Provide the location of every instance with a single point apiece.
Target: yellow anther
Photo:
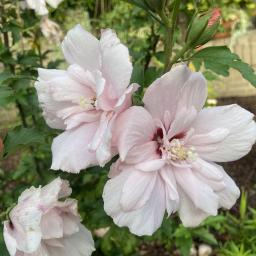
(87, 103)
(176, 151)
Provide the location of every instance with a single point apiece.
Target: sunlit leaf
(220, 59)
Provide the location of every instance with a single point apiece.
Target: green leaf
(3, 249)
(214, 221)
(220, 59)
(29, 60)
(151, 75)
(118, 238)
(6, 56)
(20, 137)
(210, 76)
(138, 74)
(154, 5)
(5, 94)
(7, 78)
(243, 204)
(160, 56)
(54, 64)
(205, 236)
(14, 28)
(139, 3)
(4, 76)
(183, 240)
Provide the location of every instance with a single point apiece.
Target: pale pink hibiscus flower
(85, 99)
(167, 153)
(40, 224)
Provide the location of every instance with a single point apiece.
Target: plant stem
(178, 56)
(153, 40)
(167, 48)
(195, 5)
(170, 29)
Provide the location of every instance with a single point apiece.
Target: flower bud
(215, 17)
(203, 27)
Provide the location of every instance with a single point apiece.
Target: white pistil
(177, 152)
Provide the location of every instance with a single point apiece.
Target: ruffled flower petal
(178, 88)
(82, 48)
(70, 149)
(116, 64)
(133, 127)
(142, 221)
(41, 225)
(233, 141)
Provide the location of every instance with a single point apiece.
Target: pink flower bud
(216, 14)
(203, 27)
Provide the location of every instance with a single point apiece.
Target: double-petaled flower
(168, 151)
(43, 224)
(86, 99)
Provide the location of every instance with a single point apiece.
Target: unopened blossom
(168, 152)
(43, 223)
(50, 30)
(85, 99)
(39, 6)
(215, 16)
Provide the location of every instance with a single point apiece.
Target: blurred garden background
(29, 41)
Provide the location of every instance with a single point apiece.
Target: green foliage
(155, 5)
(220, 59)
(183, 240)
(205, 236)
(5, 95)
(27, 140)
(3, 249)
(235, 250)
(20, 137)
(117, 240)
(239, 231)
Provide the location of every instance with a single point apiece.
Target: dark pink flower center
(174, 148)
(158, 137)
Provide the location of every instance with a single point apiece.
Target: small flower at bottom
(41, 224)
(167, 152)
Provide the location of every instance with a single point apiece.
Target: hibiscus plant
(114, 108)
